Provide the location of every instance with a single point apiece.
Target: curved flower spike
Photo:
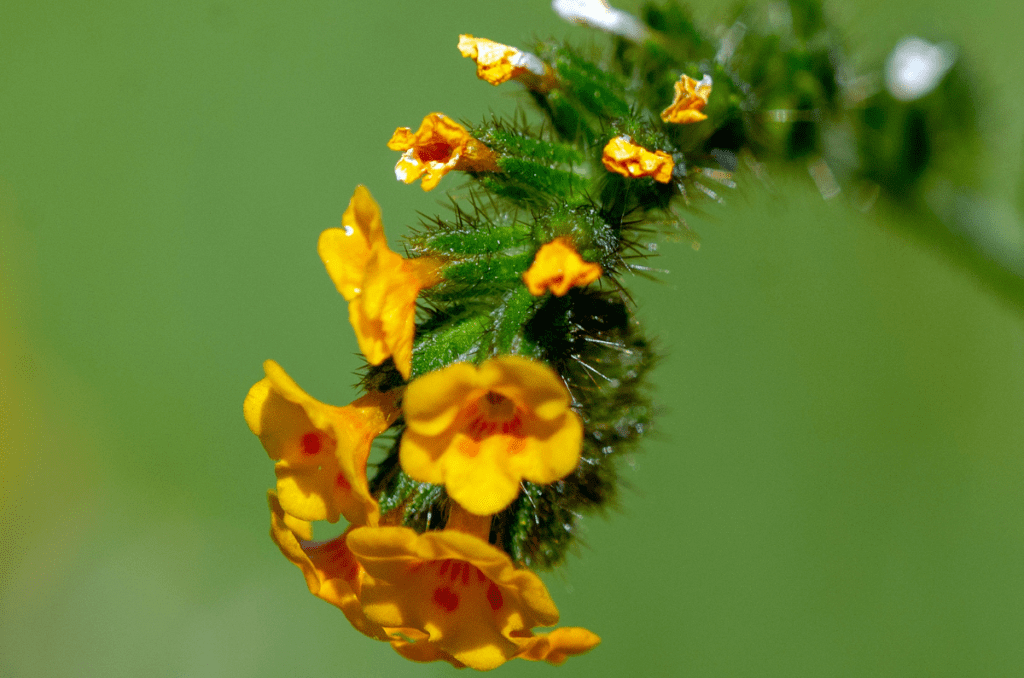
(380, 286)
(624, 157)
(320, 450)
(331, 571)
(439, 146)
(463, 593)
(497, 63)
(482, 430)
(691, 98)
(559, 268)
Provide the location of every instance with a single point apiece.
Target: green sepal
(462, 241)
(516, 308)
(518, 143)
(529, 182)
(447, 344)
(568, 120)
(489, 270)
(597, 91)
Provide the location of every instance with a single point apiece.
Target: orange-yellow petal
(346, 250)
(497, 63)
(690, 100)
(624, 157)
(439, 146)
(463, 593)
(558, 645)
(321, 450)
(481, 430)
(332, 573)
(558, 268)
(384, 314)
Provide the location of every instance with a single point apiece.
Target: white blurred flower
(598, 14)
(916, 66)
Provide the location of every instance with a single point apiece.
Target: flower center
(434, 151)
(497, 407)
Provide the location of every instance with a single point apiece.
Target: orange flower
(691, 98)
(380, 286)
(438, 147)
(558, 267)
(482, 430)
(497, 63)
(462, 593)
(332, 573)
(624, 157)
(320, 450)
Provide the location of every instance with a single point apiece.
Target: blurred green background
(837, 484)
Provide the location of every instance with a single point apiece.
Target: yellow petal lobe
(346, 250)
(691, 96)
(624, 157)
(558, 268)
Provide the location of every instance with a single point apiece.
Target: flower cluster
(505, 368)
(503, 364)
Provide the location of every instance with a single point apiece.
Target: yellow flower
(320, 450)
(463, 593)
(438, 147)
(497, 63)
(558, 267)
(332, 573)
(691, 97)
(380, 286)
(624, 157)
(482, 430)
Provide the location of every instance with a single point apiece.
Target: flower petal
(346, 250)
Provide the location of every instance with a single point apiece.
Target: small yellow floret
(559, 268)
(439, 146)
(497, 63)
(624, 157)
(691, 98)
(480, 431)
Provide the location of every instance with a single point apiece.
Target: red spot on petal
(456, 568)
(494, 597)
(447, 599)
(311, 443)
(480, 576)
(445, 564)
(437, 151)
(342, 482)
